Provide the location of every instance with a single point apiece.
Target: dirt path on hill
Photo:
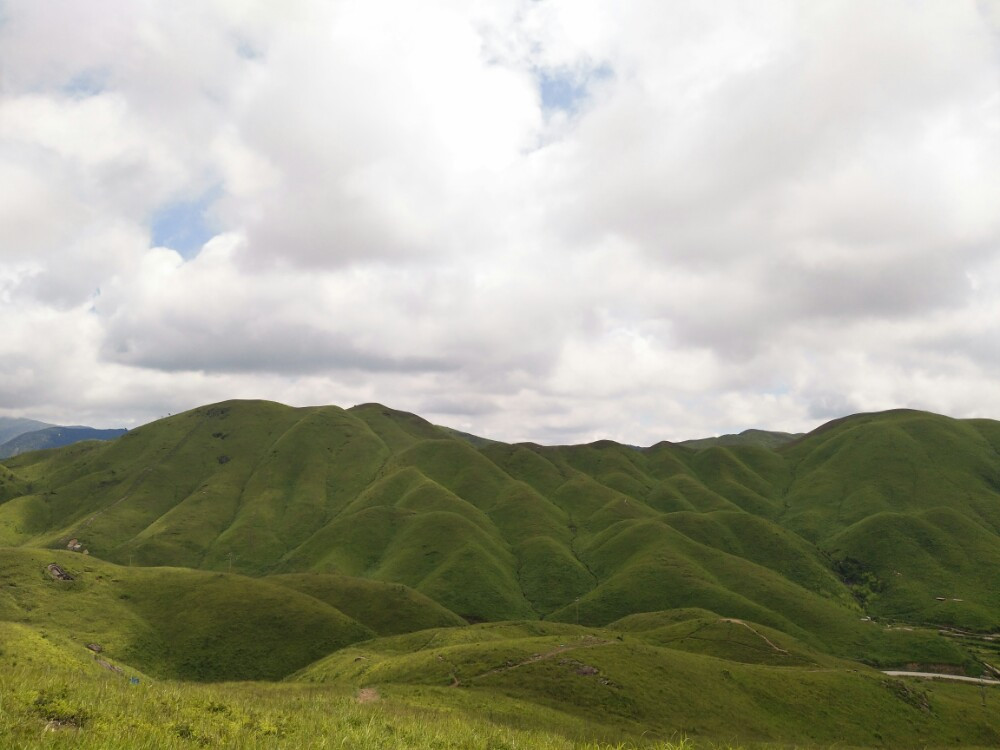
(586, 642)
(759, 635)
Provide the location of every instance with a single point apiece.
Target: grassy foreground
(54, 693)
(50, 697)
(60, 709)
(55, 712)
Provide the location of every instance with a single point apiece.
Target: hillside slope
(169, 622)
(733, 679)
(871, 515)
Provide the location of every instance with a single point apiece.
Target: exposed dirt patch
(58, 573)
(916, 698)
(61, 726)
(368, 695)
(109, 666)
(579, 667)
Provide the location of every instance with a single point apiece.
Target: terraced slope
(895, 515)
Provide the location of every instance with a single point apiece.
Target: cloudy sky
(549, 220)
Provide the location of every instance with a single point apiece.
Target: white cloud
(750, 215)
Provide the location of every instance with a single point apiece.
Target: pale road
(936, 676)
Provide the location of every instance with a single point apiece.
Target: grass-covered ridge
(523, 531)
(514, 531)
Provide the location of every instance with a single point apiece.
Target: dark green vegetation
(53, 437)
(740, 590)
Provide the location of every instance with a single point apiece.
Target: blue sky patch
(86, 83)
(564, 90)
(184, 226)
(248, 51)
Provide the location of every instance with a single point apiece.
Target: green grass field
(728, 591)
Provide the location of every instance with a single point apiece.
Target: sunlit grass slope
(172, 622)
(913, 498)
(53, 695)
(497, 685)
(732, 680)
(386, 608)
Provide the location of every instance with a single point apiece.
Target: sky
(545, 220)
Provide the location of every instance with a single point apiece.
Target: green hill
(385, 608)
(171, 622)
(654, 682)
(508, 532)
(247, 540)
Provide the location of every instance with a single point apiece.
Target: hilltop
(761, 438)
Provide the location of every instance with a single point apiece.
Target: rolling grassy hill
(907, 501)
(172, 622)
(250, 540)
(664, 679)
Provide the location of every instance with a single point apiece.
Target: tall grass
(55, 708)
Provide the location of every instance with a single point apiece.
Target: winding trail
(756, 633)
(587, 642)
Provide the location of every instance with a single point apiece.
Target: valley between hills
(248, 574)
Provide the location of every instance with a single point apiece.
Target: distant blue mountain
(11, 427)
(53, 437)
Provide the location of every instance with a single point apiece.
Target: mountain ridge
(54, 436)
(508, 531)
(11, 427)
